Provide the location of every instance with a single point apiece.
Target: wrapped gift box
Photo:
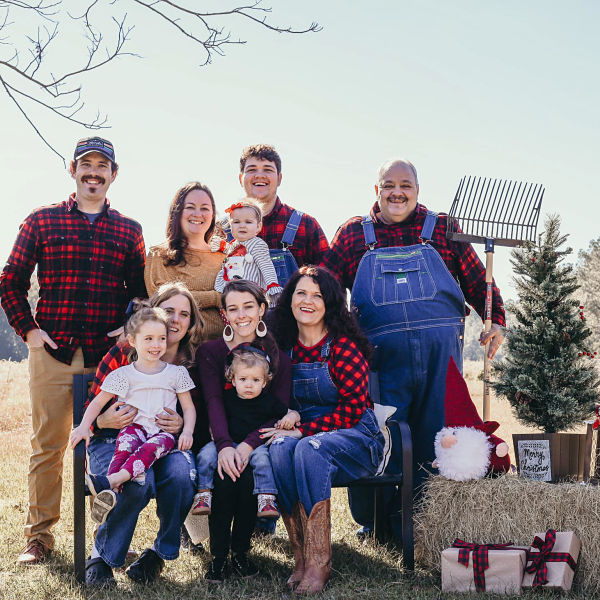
(558, 560)
(503, 574)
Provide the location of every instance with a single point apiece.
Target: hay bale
(509, 509)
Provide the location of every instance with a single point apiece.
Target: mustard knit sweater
(198, 273)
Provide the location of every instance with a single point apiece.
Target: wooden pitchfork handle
(489, 292)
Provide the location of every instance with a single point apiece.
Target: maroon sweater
(210, 362)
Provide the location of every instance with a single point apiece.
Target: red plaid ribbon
(545, 555)
(597, 421)
(480, 558)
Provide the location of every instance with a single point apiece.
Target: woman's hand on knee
(272, 433)
(242, 455)
(227, 463)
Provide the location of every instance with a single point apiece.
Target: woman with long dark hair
(338, 439)
(244, 304)
(190, 254)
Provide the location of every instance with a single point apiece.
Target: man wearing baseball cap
(90, 263)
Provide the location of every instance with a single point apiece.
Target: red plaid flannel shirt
(117, 356)
(348, 247)
(310, 244)
(87, 275)
(350, 373)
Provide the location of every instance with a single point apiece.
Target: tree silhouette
(31, 77)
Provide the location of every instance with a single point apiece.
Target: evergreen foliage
(588, 277)
(547, 374)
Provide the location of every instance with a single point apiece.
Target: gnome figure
(467, 447)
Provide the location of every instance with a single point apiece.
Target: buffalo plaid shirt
(117, 356)
(349, 372)
(310, 244)
(348, 247)
(87, 274)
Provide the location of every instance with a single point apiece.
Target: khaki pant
(51, 391)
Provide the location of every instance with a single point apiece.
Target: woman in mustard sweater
(188, 255)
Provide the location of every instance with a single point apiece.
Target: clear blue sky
(502, 89)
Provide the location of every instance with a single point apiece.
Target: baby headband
(249, 348)
(234, 206)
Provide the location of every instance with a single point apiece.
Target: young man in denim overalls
(294, 238)
(409, 285)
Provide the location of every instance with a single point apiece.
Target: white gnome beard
(468, 459)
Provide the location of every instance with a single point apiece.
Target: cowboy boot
(294, 524)
(317, 549)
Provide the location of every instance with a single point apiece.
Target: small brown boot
(294, 525)
(317, 549)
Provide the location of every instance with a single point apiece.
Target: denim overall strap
(428, 226)
(313, 392)
(291, 229)
(283, 260)
(368, 231)
(226, 226)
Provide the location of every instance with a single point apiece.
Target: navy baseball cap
(94, 144)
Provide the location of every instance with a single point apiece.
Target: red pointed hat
(460, 410)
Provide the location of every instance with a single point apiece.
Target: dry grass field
(361, 570)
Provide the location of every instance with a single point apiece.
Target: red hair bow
(233, 207)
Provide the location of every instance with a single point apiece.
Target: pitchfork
(493, 211)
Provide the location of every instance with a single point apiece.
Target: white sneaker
(267, 507)
(202, 503)
(103, 503)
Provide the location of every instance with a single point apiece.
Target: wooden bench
(404, 481)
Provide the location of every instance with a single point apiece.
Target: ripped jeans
(171, 480)
(306, 468)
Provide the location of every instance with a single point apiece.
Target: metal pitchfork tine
(493, 212)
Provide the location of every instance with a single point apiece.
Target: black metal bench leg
(379, 516)
(79, 511)
(408, 543)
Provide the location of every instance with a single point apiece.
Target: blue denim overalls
(283, 260)
(413, 310)
(306, 468)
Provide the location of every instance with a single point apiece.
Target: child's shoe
(267, 507)
(103, 503)
(217, 570)
(202, 502)
(242, 566)
(96, 483)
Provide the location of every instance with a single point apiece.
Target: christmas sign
(534, 459)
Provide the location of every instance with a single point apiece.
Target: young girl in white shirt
(150, 385)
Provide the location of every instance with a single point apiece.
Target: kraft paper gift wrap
(502, 576)
(555, 569)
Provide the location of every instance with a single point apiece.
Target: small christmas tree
(547, 374)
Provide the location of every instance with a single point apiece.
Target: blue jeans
(170, 479)
(412, 369)
(264, 482)
(305, 469)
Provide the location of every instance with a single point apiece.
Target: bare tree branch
(24, 113)
(37, 81)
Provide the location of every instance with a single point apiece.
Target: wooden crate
(570, 453)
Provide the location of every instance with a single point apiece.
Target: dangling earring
(228, 333)
(261, 329)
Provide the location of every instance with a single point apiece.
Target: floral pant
(136, 451)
